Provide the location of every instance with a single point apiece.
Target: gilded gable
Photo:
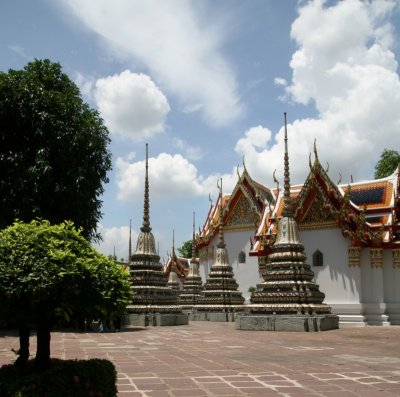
(318, 215)
(242, 216)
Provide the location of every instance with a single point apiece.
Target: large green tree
(389, 161)
(50, 273)
(53, 149)
(186, 249)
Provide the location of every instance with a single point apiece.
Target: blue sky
(206, 83)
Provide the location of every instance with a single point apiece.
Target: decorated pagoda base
(286, 322)
(213, 313)
(156, 319)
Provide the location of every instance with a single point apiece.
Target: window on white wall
(242, 257)
(317, 258)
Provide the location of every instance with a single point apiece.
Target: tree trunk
(23, 352)
(42, 359)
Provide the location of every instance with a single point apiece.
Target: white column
(373, 302)
(391, 278)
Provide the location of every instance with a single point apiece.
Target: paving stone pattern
(214, 359)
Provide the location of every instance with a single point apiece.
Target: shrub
(64, 378)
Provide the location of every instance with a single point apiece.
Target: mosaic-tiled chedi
(173, 280)
(153, 302)
(288, 288)
(191, 294)
(220, 294)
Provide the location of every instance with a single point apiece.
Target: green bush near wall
(64, 378)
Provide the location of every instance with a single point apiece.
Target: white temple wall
(358, 294)
(246, 274)
(339, 282)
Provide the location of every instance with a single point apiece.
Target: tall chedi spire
(220, 298)
(288, 299)
(193, 285)
(153, 302)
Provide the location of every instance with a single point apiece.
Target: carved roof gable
(242, 216)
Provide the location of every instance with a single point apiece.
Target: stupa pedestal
(192, 288)
(281, 322)
(220, 299)
(153, 302)
(288, 299)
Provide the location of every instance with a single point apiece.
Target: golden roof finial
(221, 243)
(244, 164)
(287, 205)
(209, 198)
(315, 151)
(351, 178)
(276, 180)
(340, 179)
(173, 245)
(327, 167)
(237, 171)
(309, 162)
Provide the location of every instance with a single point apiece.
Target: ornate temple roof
(367, 212)
(179, 264)
(242, 209)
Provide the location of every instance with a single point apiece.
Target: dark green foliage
(389, 161)
(186, 249)
(50, 273)
(53, 149)
(64, 378)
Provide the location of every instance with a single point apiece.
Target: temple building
(241, 215)
(350, 233)
(153, 302)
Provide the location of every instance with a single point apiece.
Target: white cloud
(170, 176)
(176, 43)
(18, 50)
(85, 84)
(118, 238)
(343, 65)
(132, 105)
(279, 81)
(191, 152)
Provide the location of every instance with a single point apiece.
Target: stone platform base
(212, 316)
(156, 319)
(272, 322)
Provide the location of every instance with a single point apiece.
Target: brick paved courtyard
(213, 359)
